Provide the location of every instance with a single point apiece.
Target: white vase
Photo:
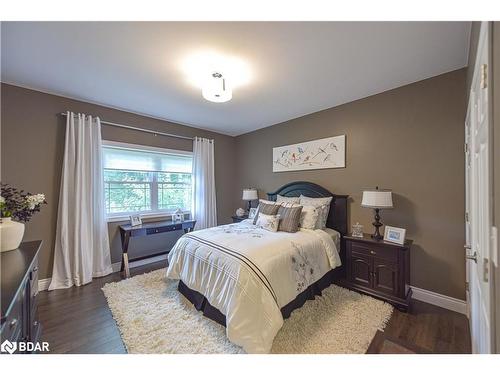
(11, 234)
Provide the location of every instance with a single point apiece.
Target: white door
(479, 202)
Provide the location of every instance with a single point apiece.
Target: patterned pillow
(268, 222)
(282, 199)
(324, 207)
(289, 218)
(309, 217)
(266, 208)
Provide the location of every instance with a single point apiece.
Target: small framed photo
(393, 234)
(252, 212)
(135, 220)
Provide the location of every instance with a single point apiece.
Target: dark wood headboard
(337, 217)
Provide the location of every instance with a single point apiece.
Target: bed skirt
(201, 303)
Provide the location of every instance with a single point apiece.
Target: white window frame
(115, 217)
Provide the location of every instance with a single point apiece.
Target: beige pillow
(323, 204)
(289, 218)
(268, 222)
(267, 208)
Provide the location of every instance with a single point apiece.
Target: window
(140, 179)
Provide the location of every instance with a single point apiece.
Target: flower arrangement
(18, 204)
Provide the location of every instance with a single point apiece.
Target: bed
(249, 279)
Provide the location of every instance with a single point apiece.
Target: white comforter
(249, 273)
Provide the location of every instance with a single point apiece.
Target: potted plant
(16, 208)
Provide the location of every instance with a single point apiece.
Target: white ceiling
(297, 67)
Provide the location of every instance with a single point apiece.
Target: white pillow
(309, 217)
(287, 200)
(323, 204)
(268, 222)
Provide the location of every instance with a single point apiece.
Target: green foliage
(130, 191)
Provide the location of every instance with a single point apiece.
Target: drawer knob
(373, 252)
(13, 323)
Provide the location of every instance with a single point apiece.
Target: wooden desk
(147, 229)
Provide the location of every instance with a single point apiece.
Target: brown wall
(32, 144)
(409, 140)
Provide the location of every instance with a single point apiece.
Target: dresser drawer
(14, 322)
(383, 252)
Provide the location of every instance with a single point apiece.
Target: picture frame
(135, 220)
(394, 234)
(316, 154)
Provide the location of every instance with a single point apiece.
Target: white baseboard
(446, 302)
(43, 284)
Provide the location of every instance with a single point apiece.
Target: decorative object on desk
(393, 234)
(377, 199)
(252, 212)
(357, 230)
(249, 195)
(20, 206)
(240, 212)
(317, 154)
(178, 216)
(135, 220)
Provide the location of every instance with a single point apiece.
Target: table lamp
(377, 199)
(249, 195)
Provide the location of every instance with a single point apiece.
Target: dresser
(19, 290)
(379, 268)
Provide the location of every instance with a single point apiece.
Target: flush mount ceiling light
(215, 74)
(216, 89)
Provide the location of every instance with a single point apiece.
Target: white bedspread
(249, 273)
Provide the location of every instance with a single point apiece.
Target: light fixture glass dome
(216, 89)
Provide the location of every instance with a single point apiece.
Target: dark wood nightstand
(237, 219)
(379, 268)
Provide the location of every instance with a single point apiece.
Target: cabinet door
(385, 276)
(360, 269)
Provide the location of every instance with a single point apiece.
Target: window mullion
(154, 191)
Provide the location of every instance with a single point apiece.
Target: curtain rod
(141, 129)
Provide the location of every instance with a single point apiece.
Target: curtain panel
(204, 202)
(82, 243)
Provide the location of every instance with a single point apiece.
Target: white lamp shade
(249, 194)
(377, 199)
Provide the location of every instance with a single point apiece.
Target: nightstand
(379, 268)
(237, 219)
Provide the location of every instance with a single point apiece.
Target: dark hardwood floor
(78, 320)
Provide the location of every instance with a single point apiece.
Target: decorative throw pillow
(287, 200)
(289, 218)
(323, 204)
(309, 217)
(268, 222)
(266, 208)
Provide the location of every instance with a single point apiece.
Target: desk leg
(125, 237)
(125, 262)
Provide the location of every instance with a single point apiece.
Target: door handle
(472, 257)
(467, 247)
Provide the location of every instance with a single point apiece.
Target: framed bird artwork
(317, 154)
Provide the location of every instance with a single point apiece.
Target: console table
(147, 229)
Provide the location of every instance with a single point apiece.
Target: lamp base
(377, 224)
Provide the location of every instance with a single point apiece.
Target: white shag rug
(154, 317)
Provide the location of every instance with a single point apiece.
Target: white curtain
(204, 204)
(82, 245)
